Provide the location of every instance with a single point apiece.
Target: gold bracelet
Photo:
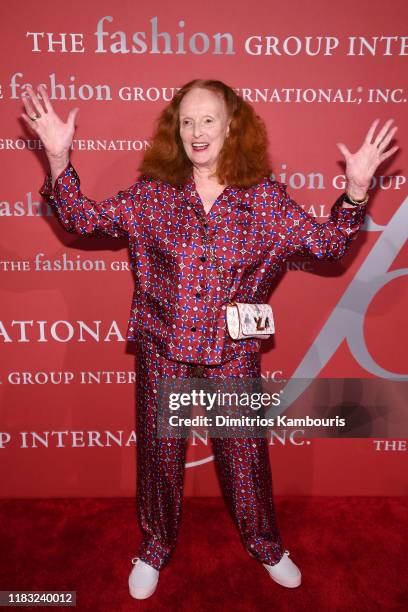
(350, 200)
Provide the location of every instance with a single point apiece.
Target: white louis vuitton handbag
(249, 320)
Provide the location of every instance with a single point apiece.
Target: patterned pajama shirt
(188, 266)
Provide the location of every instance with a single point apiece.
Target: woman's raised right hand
(55, 135)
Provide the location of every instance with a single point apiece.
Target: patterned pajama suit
(188, 265)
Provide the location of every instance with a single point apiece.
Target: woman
(206, 225)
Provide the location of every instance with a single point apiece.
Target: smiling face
(204, 125)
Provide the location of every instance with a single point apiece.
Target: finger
(43, 90)
(389, 153)
(28, 105)
(72, 116)
(371, 131)
(383, 132)
(344, 150)
(34, 100)
(29, 122)
(387, 139)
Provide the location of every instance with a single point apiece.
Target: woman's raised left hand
(361, 165)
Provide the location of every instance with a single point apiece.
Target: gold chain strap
(350, 200)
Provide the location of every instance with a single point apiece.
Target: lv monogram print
(262, 325)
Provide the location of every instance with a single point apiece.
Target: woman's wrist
(356, 192)
(57, 165)
(350, 200)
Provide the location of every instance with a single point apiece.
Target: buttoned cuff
(354, 214)
(52, 192)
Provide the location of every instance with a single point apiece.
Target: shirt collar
(231, 198)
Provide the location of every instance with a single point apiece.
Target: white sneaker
(285, 572)
(143, 579)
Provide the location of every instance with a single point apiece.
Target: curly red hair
(243, 160)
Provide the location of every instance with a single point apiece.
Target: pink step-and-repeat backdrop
(318, 74)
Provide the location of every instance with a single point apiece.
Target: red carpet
(352, 553)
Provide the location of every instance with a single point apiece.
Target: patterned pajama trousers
(242, 465)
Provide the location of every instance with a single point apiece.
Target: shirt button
(193, 328)
(203, 258)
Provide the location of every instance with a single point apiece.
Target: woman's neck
(206, 178)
